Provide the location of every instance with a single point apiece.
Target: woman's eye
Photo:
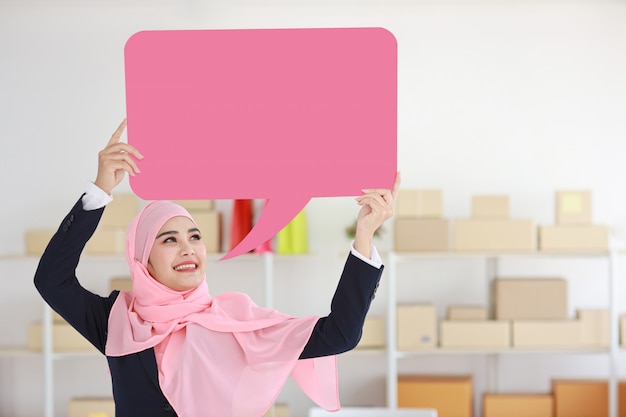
(170, 240)
(196, 237)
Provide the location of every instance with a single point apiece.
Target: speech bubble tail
(275, 216)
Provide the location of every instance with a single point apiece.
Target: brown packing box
(107, 240)
(595, 327)
(64, 338)
(574, 238)
(475, 334)
(573, 207)
(547, 334)
(91, 407)
(490, 207)
(580, 398)
(120, 211)
(373, 336)
(518, 405)
(36, 240)
(476, 235)
(196, 204)
(419, 203)
(421, 235)
(417, 326)
(277, 410)
(120, 284)
(209, 223)
(467, 313)
(530, 299)
(56, 317)
(451, 396)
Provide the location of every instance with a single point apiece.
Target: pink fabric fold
(219, 356)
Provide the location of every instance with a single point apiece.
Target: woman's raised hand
(377, 206)
(114, 160)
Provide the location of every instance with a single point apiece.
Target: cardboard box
(574, 238)
(484, 235)
(277, 410)
(530, 299)
(595, 327)
(490, 207)
(419, 203)
(573, 207)
(475, 334)
(373, 336)
(210, 225)
(451, 396)
(547, 334)
(421, 235)
(120, 284)
(467, 313)
(36, 240)
(91, 407)
(120, 212)
(56, 317)
(64, 338)
(518, 405)
(196, 205)
(417, 326)
(107, 240)
(580, 398)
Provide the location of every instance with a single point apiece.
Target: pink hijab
(220, 356)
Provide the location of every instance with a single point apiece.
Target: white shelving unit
(265, 265)
(491, 261)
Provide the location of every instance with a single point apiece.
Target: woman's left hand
(377, 205)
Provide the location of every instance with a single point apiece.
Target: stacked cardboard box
(105, 407)
(518, 405)
(417, 326)
(64, 337)
(492, 229)
(36, 240)
(373, 336)
(110, 236)
(277, 410)
(209, 222)
(418, 222)
(584, 398)
(539, 312)
(451, 396)
(574, 231)
(468, 327)
(91, 407)
(120, 284)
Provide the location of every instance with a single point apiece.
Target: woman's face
(178, 256)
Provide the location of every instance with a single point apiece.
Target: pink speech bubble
(279, 114)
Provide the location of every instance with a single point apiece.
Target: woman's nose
(187, 249)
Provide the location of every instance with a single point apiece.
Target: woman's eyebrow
(194, 229)
(169, 232)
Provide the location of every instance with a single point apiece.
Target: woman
(172, 348)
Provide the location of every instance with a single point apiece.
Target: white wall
(511, 96)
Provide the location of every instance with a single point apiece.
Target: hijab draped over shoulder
(216, 356)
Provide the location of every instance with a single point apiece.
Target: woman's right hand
(114, 160)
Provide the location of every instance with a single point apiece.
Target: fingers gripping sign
(377, 206)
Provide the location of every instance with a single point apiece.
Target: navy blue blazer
(134, 377)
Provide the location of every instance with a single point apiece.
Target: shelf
(482, 255)
(501, 351)
(18, 351)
